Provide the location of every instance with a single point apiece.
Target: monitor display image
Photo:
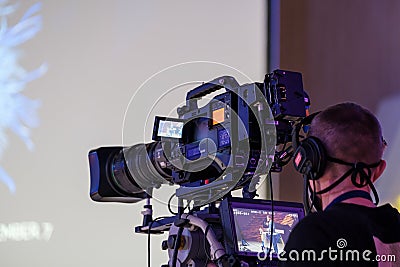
(255, 226)
(171, 129)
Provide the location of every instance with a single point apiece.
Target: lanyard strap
(349, 195)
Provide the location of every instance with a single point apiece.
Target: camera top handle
(227, 82)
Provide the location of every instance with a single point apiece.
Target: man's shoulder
(325, 226)
(311, 231)
(342, 221)
(341, 216)
(312, 221)
(317, 221)
(352, 225)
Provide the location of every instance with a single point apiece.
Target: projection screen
(69, 69)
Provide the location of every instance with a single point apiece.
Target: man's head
(349, 132)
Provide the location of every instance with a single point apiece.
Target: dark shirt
(346, 235)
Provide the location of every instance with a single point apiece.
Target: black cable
(177, 244)
(283, 156)
(284, 145)
(313, 195)
(205, 240)
(169, 204)
(287, 156)
(148, 238)
(272, 216)
(178, 237)
(309, 175)
(188, 207)
(306, 201)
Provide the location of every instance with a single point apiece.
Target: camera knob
(171, 241)
(182, 110)
(164, 245)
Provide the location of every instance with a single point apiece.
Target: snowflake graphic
(17, 112)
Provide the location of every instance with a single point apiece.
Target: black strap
(336, 183)
(349, 195)
(357, 169)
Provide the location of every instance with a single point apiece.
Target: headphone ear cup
(310, 158)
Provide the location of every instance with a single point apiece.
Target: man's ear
(378, 171)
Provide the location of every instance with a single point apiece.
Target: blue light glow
(17, 112)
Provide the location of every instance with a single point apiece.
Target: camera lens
(122, 177)
(139, 168)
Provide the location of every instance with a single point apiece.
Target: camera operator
(348, 229)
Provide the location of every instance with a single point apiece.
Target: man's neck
(331, 196)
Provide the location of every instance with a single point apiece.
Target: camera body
(233, 136)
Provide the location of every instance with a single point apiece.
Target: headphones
(310, 158)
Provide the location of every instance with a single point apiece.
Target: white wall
(98, 53)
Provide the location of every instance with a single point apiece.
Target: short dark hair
(349, 132)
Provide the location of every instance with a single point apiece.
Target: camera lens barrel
(121, 175)
(137, 168)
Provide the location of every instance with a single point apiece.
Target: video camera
(227, 144)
